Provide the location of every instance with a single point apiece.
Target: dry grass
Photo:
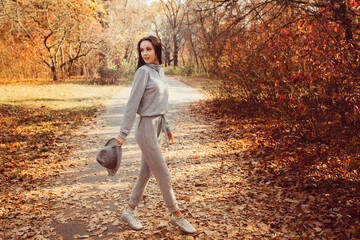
(205, 85)
(56, 96)
(34, 120)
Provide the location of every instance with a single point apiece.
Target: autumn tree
(128, 22)
(61, 32)
(175, 12)
(162, 31)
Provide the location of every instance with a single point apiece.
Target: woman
(149, 99)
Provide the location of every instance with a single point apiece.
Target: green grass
(34, 119)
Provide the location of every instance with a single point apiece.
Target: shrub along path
(217, 178)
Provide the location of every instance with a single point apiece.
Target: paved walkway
(93, 201)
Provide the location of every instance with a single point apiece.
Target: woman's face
(147, 52)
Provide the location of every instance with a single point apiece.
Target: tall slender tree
(175, 12)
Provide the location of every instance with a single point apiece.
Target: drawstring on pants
(163, 127)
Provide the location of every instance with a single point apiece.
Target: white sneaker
(130, 218)
(182, 223)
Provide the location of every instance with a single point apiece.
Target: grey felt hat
(110, 156)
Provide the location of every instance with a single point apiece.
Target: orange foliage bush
(299, 63)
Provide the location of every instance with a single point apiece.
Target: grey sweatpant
(147, 135)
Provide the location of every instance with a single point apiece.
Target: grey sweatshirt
(148, 97)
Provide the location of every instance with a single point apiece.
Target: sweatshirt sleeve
(137, 91)
(167, 126)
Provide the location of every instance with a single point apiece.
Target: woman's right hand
(120, 141)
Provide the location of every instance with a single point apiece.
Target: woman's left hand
(120, 141)
(171, 138)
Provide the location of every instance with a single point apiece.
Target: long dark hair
(157, 47)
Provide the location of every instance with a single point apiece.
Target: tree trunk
(167, 58)
(192, 42)
(176, 51)
(70, 68)
(54, 73)
(126, 52)
(341, 14)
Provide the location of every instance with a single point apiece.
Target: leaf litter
(218, 180)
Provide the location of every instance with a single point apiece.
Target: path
(93, 201)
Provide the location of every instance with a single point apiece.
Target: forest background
(291, 67)
(297, 61)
